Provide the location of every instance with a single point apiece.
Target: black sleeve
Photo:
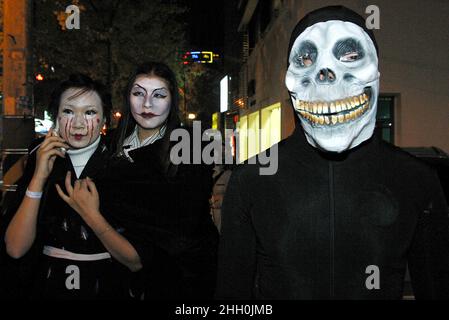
(144, 249)
(237, 247)
(429, 252)
(114, 207)
(116, 210)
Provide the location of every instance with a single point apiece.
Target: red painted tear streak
(91, 130)
(86, 123)
(68, 125)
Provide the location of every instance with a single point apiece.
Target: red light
(185, 62)
(39, 77)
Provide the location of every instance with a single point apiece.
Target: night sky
(206, 21)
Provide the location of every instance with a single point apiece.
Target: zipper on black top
(332, 229)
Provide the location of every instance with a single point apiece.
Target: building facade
(16, 118)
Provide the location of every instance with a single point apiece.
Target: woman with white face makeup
(56, 211)
(150, 112)
(163, 207)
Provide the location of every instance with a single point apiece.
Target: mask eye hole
(348, 50)
(306, 55)
(305, 60)
(349, 57)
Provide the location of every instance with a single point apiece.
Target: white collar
(132, 142)
(80, 157)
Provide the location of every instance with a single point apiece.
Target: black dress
(41, 276)
(324, 223)
(167, 220)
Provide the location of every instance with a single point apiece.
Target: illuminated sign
(224, 94)
(215, 120)
(259, 131)
(271, 126)
(199, 57)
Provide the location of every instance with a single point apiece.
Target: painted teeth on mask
(338, 107)
(334, 112)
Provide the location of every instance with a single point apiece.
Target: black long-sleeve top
(167, 220)
(316, 228)
(58, 226)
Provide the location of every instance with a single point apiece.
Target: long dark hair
(85, 84)
(127, 122)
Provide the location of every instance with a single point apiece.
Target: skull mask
(333, 80)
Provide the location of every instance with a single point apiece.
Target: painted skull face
(333, 80)
(80, 117)
(150, 100)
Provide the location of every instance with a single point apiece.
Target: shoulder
(187, 135)
(405, 162)
(251, 172)
(412, 173)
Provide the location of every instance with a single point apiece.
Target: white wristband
(33, 194)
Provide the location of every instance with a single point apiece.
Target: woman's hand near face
(46, 156)
(82, 197)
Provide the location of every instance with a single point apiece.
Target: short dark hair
(84, 82)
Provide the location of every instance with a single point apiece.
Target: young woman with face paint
(163, 208)
(77, 248)
(150, 113)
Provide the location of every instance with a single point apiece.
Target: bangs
(79, 92)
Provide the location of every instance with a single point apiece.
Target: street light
(191, 116)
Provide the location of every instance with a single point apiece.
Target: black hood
(326, 14)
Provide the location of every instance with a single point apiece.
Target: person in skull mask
(345, 212)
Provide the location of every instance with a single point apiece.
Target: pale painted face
(333, 80)
(150, 101)
(80, 117)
